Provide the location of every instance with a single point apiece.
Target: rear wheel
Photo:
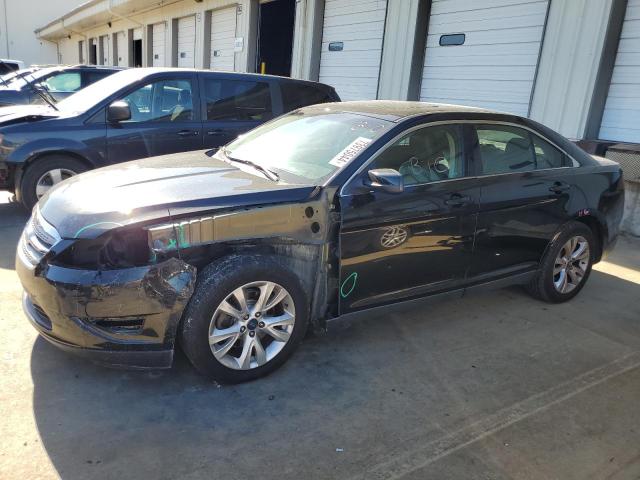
(43, 174)
(567, 264)
(246, 317)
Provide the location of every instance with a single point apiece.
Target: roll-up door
(352, 38)
(187, 42)
(121, 53)
(223, 34)
(621, 119)
(158, 44)
(483, 54)
(104, 50)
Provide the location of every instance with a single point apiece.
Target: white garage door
(187, 42)
(352, 46)
(158, 44)
(496, 65)
(621, 119)
(223, 34)
(121, 53)
(104, 50)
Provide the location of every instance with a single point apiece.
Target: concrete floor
(490, 387)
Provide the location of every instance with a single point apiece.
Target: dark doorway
(275, 37)
(137, 53)
(93, 53)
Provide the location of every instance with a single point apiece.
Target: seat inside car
(182, 110)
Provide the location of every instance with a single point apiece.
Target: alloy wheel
(571, 264)
(51, 178)
(252, 325)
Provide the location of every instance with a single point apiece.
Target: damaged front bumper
(125, 317)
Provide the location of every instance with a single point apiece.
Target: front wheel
(567, 264)
(246, 317)
(45, 173)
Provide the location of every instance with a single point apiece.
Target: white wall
(17, 24)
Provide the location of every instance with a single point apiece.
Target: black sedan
(139, 113)
(330, 210)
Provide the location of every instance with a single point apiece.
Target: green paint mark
(172, 245)
(95, 225)
(181, 238)
(350, 284)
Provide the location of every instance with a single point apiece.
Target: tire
(29, 193)
(547, 285)
(218, 283)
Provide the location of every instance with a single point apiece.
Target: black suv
(51, 84)
(135, 114)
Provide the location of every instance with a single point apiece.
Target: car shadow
(12, 219)
(370, 386)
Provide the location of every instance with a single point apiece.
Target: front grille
(37, 239)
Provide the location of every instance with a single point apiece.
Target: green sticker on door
(348, 285)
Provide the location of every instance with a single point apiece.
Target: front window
(308, 144)
(425, 155)
(163, 101)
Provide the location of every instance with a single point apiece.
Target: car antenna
(40, 93)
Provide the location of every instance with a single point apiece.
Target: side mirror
(386, 179)
(118, 112)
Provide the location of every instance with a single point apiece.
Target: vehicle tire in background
(45, 172)
(566, 266)
(246, 317)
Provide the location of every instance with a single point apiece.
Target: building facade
(19, 19)
(573, 65)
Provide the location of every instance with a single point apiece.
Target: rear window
(239, 100)
(297, 95)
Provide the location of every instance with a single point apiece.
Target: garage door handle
(457, 200)
(187, 133)
(559, 187)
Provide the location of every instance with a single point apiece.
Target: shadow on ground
(367, 391)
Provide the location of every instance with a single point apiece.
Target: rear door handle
(217, 131)
(559, 187)
(457, 200)
(188, 133)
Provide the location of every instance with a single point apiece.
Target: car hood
(87, 205)
(25, 113)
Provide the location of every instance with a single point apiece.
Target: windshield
(29, 77)
(95, 93)
(11, 76)
(309, 144)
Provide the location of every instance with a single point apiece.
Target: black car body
(59, 82)
(169, 110)
(110, 259)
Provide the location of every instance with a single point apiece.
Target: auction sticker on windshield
(351, 150)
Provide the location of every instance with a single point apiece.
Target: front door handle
(559, 187)
(188, 133)
(457, 200)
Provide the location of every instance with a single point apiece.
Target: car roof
(144, 71)
(396, 110)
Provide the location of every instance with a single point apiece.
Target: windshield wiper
(40, 93)
(270, 174)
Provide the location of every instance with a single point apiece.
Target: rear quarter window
(298, 95)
